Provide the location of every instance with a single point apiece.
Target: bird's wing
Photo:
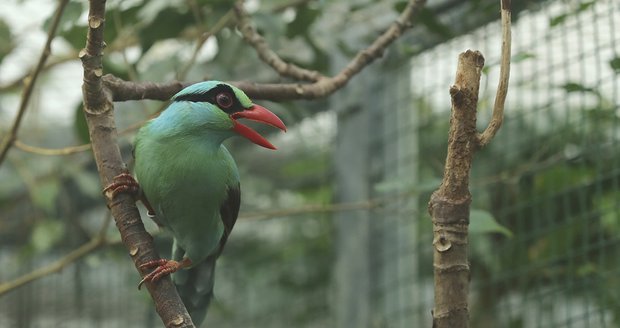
(229, 210)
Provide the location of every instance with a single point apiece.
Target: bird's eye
(224, 100)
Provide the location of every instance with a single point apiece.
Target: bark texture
(449, 205)
(99, 112)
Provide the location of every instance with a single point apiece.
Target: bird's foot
(121, 183)
(124, 182)
(163, 268)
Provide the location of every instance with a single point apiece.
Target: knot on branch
(441, 242)
(446, 211)
(95, 21)
(176, 322)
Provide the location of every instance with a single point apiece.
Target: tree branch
(50, 151)
(53, 62)
(9, 139)
(98, 109)
(449, 206)
(99, 240)
(325, 86)
(504, 75)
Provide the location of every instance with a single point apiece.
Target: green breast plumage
(186, 178)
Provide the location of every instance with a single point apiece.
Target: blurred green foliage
(548, 206)
(549, 197)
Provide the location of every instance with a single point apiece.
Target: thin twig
(53, 62)
(251, 36)
(9, 139)
(504, 75)
(51, 151)
(131, 71)
(219, 25)
(316, 208)
(97, 241)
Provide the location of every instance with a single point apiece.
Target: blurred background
(333, 230)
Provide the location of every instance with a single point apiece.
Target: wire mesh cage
(545, 221)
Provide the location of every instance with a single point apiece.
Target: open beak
(259, 114)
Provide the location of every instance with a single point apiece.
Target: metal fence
(551, 180)
(552, 175)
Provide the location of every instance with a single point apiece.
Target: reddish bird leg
(163, 268)
(125, 183)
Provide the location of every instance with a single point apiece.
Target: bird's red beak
(259, 114)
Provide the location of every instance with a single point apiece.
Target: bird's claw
(123, 182)
(162, 267)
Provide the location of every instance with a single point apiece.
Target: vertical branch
(99, 112)
(449, 205)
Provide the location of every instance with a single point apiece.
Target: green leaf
(399, 184)
(120, 20)
(304, 167)
(562, 177)
(321, 58)
(302, 22)
(399, 6)
(6, 40)
(481, 221)
(606, 206)
(119, 70)
(115, 19)
(70, 16)
(433, 24)
(88, 182)
(44, 194)
(360, 6)
(392, 185)
(168, 24)
(559, 19)
(75, 36)
(428, 184)
(45, 234)
(576, 87)
(587, 269)
(615, 64)
(521, 56)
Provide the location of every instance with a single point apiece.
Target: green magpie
(189, 182)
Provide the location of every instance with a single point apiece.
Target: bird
(189, 181)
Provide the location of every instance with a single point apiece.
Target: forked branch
(449, 206)
(321, 87)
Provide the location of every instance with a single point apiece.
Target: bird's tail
(195, 285)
